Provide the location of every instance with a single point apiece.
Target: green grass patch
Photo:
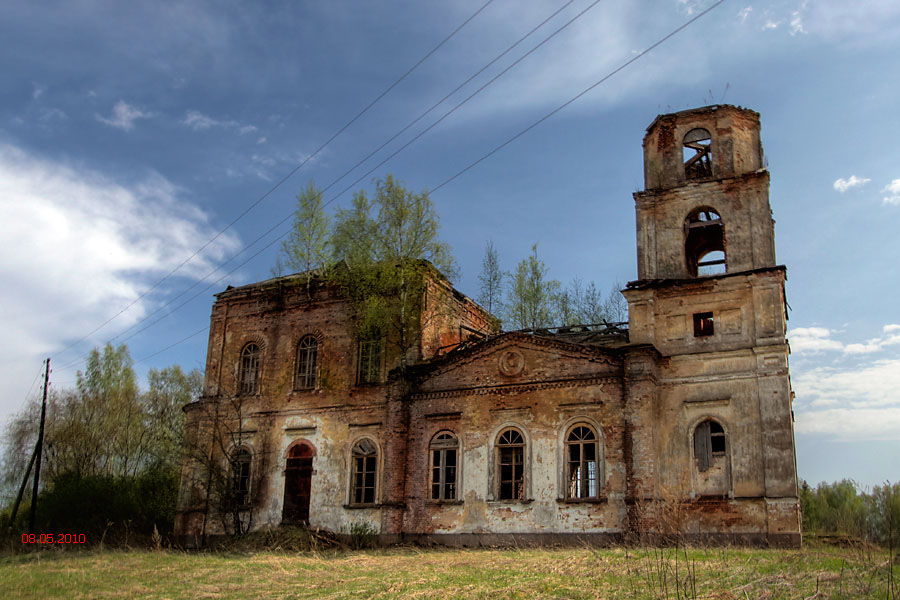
(406, 572)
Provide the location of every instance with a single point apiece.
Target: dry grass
(819, 572)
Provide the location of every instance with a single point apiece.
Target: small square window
(703, 324)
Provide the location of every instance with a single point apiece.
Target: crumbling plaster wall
(555, 389)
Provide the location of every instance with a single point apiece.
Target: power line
(504, 144)
(418, 136)
(281, 181)
(580, 94)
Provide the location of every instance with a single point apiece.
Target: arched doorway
(298, 483)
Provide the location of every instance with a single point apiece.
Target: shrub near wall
(116, 506)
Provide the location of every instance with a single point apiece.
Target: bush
(95, 506)
(841, 509)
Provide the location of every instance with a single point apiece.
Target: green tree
(530, 294)
(305, 248)
(381, 245)
(169, 389)
(491, 279)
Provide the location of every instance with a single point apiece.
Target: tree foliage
(490, 280)
(530, 295)
(534, 300)
(841, 508)
(380, 245)
(104, 429)
(306, 247)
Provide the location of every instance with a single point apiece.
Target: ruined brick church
(679, 421)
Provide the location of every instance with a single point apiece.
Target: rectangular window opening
(703, 324)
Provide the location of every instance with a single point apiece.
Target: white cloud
(893, 191)
(199, 122)
(123, 116)
(797, 24)
(770, 24)
(850, 402)
(812, 340)
(744, 13)
(78, 247)
(842, 185)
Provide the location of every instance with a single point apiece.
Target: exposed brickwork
(642, 395)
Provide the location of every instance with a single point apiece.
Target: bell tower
(709, 299)
(705, 208)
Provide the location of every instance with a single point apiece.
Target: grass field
(819, 572)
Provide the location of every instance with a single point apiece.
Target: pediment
(518, 359)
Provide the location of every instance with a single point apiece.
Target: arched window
(583, 467)
(444, 452)
(240, 476)
(307, 363)
(704, 242)
(697, 155)
(709, 444)
(510, 465)
(249, 369)
(364, 472)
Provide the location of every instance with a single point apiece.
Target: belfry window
(697, 154)
(704, 245)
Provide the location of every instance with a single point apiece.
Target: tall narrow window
(250, 369)
(307, 363)
(582, 463)
(364, 472)
(510, 465)
(443, 449)
(240, 476)
(709, 443)
(369, 363)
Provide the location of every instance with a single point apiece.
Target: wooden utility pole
(38, 448)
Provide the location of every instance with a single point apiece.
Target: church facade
(678, 422)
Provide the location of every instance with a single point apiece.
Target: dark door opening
(298, 484)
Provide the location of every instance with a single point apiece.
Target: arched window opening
(364, 462)
(704, 245)
(583, 474)
(240, 476)
(307, 363)
(444, 453)
(709, 444)
(249, 369)
(510, 463)
(298, 483)
(697, 154)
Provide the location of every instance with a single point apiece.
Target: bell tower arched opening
(697, 154)
(704, 243)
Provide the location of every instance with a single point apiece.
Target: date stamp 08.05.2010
(53, 538)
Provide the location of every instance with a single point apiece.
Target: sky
(143, 145)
